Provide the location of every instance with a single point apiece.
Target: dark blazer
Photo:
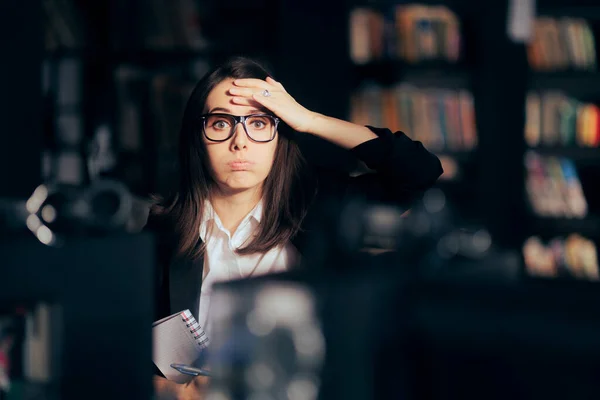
(403, 170)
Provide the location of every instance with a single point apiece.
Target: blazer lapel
(185, 281)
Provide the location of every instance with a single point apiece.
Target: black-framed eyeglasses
(220, 127)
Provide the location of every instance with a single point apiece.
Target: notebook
(179, 339)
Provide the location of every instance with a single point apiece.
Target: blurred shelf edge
(498, 266)
(577, 154)
(560, 226)
(587, 11)
(436, 73)
(582, 83)
(457, 6)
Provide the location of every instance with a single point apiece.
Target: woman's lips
(240, 165)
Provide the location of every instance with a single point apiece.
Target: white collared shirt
(221, 263)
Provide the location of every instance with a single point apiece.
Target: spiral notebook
(178, 339)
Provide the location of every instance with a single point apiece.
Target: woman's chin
(240, 185)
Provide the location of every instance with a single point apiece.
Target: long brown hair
(285, 194)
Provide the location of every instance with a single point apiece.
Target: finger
(266, 102)
(201, 382)
(253, 83)
(245, 92)
(245, 101)
(275, 83)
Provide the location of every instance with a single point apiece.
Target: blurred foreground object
(59, 209)
(340, 326)
(267, 342)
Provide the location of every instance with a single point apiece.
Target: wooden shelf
(549, 227)
(577, 154)
(587, 11)
(440, 74)
(580, 83)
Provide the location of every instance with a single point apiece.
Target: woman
(243, 206)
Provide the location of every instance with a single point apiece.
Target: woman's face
(239, 163)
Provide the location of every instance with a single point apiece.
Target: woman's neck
(233, 207)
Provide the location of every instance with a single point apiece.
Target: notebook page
(177, 340)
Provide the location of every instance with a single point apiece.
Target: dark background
(306, 43)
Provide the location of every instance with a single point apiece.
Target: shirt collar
(257, 211)
(209, 215)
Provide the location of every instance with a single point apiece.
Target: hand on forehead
(220, 100)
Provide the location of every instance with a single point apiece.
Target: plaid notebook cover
(195, 329)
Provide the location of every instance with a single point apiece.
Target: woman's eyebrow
(223, 109)
(226, 110)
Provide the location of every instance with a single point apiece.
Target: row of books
(441, 119)
(562, 43)
(409, 32)
(159, 25)
(64, 137)
(30, 348)
(553, 187)
(553, 118)
(574, 256)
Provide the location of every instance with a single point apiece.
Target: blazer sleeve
(163, 252)
(403, 168)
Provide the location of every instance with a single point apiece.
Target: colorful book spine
(442, 119)
(554, 119)
(412, 33)
(574, 256)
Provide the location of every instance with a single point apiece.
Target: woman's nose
(240, 139)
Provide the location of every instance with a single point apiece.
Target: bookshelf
(434, 74)
(309, 46)
(487, 180)
(423, 83)
(580, 155)
(573, 79)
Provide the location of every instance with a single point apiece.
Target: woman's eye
(220, 124)
(258, 124)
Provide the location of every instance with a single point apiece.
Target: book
(412, 33)
(178, 339)
(562, 43)
(555, 119)
(574, 256)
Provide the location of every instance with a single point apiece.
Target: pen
(189, 370)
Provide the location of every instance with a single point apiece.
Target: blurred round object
(54, 209)
(434, 200)
(109, 204)
(268, 341)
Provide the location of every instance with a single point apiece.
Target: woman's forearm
(342, 133)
